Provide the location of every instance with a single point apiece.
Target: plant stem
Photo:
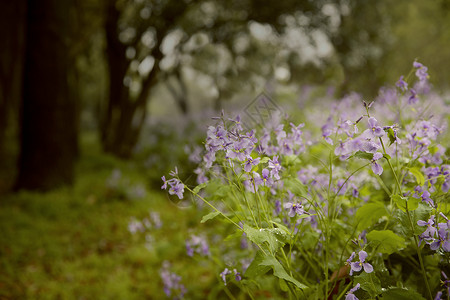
(419, 254)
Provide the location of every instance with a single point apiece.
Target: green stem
(419, 254)
(213, 207)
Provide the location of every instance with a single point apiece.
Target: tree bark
(48, 119)
(124, 116)
(11, 68)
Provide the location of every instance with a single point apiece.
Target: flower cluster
(197, 244)
(226, 272)
(291, 197)
(436, 235)
(176, 187)
(172, 282)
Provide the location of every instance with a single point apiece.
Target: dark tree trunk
(48, 120)
(124, 116)
(11, 68)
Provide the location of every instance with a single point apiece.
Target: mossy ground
(74, 243)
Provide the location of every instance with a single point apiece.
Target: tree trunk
(48, 120)
(124, 116)
(11, 68)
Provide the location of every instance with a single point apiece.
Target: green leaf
(295, 186)
(369, 214)
(236, 235)
(363, 155)
(283, 285)
(255, 269)
(370, 283)
(263, 237)
(264, 160)
(391, 135)
(386, 156)
(421, 213)
(280, 272)
(402, 202)
(418, 174)
(401, 294)
(386, 241)
(198, 188)
(210, 216)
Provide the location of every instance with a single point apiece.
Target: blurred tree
(48, 121)
(149, 41)
(11, 66)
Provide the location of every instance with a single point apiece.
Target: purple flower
(250, 163)
(359, 265)
(429, 233)
(237, 122)
(266, 180)
(350, 295)
(197, 244)
(426, 198)
(275, 167)
(237, 275)
(164, 186)
(177, 189)
(376, 130)
(421, 71)
(224, 275)
(446, 282)
(413, 98)
(443, 240)
(176, 186)
(294, 209)
(376, 168)
(277, 209)
(401, 84)
(172, 282)
(438, 296)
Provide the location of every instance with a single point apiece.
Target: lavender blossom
(376, 130)
(294, 209)
(350, 295)
(376, 168)
(172, 282)
(359, 265)
(224, 275)
(401, 84)
(275, 167)
(421, 71)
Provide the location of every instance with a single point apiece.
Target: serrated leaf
(199, 187)
(263, 237)
(421, 213)
(283, 285)
(369, 214)
(420, 179)
(404, 203)
(237, 234)
(386, 241)
(370, 283)
(264, 160)
(295, 186)
(401, 294)
(363, 155)
(391, 135)
(255, 269)
(399, 201)
(210, 216)
(280, 272)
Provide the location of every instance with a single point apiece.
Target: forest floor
(74, 242)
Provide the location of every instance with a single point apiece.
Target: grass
(74, 243)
